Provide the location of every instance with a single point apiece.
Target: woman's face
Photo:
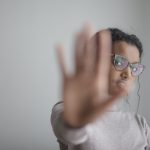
(123, 78)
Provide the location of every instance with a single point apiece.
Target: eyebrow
(126, 58)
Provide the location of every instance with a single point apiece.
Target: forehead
(129, 51)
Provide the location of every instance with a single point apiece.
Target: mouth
(117, 85)
(122, 83)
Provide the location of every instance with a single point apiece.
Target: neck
(120, 105)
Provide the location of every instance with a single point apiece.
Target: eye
(134, 69)
(137, 69)
(120, 62)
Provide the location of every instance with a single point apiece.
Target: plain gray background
(30, 80)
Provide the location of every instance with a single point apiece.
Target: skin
(91, 90)
(132, 54)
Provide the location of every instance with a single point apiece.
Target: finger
(89, 61)
(79, 45)
(88, 31)
(83, 53)
(89, 51)
(104, 46)
(93, 54)
(61, 60)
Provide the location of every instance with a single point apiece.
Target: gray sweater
(116, 130)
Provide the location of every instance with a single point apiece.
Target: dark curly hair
(118, 35)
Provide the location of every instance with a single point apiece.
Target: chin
(116, 89)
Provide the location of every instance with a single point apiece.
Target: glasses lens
(120, 62)
(137, 69)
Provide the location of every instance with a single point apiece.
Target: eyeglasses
(120, 63)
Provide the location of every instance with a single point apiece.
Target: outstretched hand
(86, 92)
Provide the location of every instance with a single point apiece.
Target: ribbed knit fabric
(116, 130)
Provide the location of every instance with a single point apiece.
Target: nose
(126, 74)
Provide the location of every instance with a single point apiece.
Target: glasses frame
(129, 64)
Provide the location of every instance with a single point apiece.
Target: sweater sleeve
(147, 132)
(145, 127)
(64, 133)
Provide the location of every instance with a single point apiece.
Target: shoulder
(141, 120)
(145, 126)
(57, 106)
(138, 119)
(56, 110)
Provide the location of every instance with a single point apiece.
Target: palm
(86, 93)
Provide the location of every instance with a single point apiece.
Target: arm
(147, 132)
(62, 131)
(145, 129)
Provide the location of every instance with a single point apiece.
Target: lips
(122, 83)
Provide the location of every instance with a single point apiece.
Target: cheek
(113, 74)
(132, 84)
(113, 77)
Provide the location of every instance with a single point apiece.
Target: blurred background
(30, 79)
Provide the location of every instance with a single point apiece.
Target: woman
(107, 66)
